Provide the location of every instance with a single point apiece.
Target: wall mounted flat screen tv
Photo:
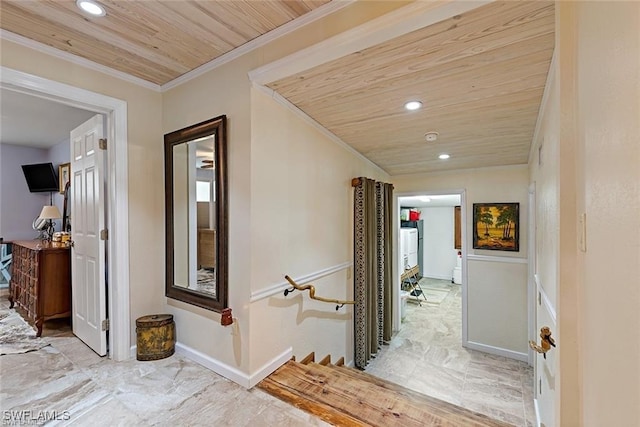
(41, 177)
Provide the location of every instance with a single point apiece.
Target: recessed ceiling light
(443, 156)
(413, 105)
(91, 7)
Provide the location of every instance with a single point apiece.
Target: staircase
(344, 396)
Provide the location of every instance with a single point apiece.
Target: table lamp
(49, 213)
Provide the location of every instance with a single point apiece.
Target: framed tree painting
(496, 226)
(64, 174)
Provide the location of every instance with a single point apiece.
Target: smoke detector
(431, 136)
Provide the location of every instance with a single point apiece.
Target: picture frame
(496, 226)
(64, 175)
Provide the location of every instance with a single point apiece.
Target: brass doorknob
(546, 342)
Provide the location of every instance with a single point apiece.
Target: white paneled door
(87, 222)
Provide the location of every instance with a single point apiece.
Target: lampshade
(50, 212)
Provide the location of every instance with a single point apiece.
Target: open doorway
(117, 249)
(429, 352)
(431, 301)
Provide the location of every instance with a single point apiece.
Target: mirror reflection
(196, 214)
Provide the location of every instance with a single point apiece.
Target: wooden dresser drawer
(41, 280)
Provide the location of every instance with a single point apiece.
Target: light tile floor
(427, 356)
(70, 380)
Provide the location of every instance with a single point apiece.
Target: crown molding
(260, 41)
(289, 27)
(74, 59)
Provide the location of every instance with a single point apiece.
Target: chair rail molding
(491, 258)
(301, 280)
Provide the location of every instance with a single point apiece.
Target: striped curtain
(372, 271)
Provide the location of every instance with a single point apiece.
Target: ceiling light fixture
(91, 7)
(413, 105)
(443, 156)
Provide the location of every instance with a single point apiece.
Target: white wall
(224, 91)
(589, 165)
(440, 257)
(302, 202)
(608, 168)
(271, 169)
(59, 154)
(497, 307)
(19, 207)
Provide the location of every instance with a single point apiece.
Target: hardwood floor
(348, 397)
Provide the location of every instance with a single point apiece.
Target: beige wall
(145, 156)
(267, 150)
(590, 156)
(497, 308)
(226, 91)
(608, 170)
(302, 210)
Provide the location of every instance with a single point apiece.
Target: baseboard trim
(537, 409)
(440, 277)
(301, 280)
(498, 351)
(271, 366)
(231, 373)
(133, 352)
(216, 366)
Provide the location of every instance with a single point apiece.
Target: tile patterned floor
(69, 379)
(426, 356)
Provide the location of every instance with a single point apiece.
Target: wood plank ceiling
(480, 75)
(154, 40)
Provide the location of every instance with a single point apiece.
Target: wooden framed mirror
(195, 165)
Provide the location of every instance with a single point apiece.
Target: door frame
(396, 249)
(117, 211)
(532, 271)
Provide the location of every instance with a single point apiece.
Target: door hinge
(102, 143)
(104, 234)
(105, 325)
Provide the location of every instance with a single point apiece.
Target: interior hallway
(68, 376)
(426, 356)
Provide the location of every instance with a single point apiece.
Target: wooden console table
(206, 248)
(41, 280)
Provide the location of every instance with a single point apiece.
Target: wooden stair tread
(311, 357)
(293, 397)
(364, 399)
(439, 407)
